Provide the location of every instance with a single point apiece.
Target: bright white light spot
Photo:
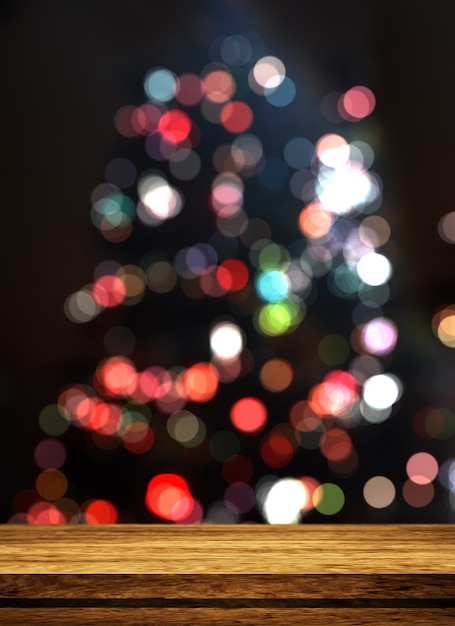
(163, 202)
(268, 73)
(382, 391)
(374, 269)
(285, 500)
(226, 340)
(342, 190)
(332, 150)
(160, 201)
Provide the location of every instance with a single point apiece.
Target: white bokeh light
(382, 391)
(343, 190)
(159, 200)
(284, 501)
(226, 340)
(269, 72)
(374, 269)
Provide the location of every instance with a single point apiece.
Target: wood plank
(229, 617)
(216, 549)
(227, 586)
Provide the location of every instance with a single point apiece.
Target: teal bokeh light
(273, 286)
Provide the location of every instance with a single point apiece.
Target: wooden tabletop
(221, 549)
(166, 574)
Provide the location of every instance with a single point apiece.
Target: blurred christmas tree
(239, 311)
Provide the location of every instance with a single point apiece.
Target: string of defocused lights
(341, 237)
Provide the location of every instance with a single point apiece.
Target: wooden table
(239, 574)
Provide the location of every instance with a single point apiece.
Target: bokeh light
(160, 84)
(379, 336)
(226, 340)
(446, 227)
(284, 501)
(101, 512)
(379, 492)
(382, 391)
(443, 325)
(328, 499)
(248, 415)
(169, 498)
(374, 268)
(276, 374)
(422, 468)
(357, 103)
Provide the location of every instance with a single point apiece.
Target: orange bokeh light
(201, 382)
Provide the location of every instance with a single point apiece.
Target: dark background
(66, 68)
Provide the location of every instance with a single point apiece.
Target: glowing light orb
(278, 318)
(379, 336)
(174, 126)
(159, 199)
(379, 492)
(285, 500)
(226, 340)
(168, 497)
(219, 86)
(328, 499)
(332, 150)
(249, 415)
(422, 468)
(446, 330)
(343, 190)
(267, 73)
(101, 512)
(273, 286)
(236, 116)
(201, 382)
(160, 84)
(357, 103)
(382, 391)
(374, 269)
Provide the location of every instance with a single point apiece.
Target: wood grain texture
(212, 574)
(216, 549)
(228, 617)
(228, 586)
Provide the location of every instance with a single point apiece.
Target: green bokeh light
(329, 499)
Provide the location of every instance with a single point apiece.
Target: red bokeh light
(335, 395)
(249, 415)
(232, 275)
(118, 376)
(168, 497)
(174, 126)
(101, 512)
(109, 291)
(236, 116)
